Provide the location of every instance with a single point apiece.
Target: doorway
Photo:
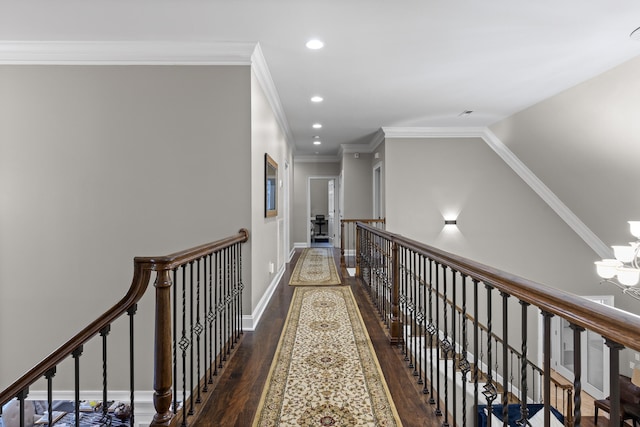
(377, 191)
(322, 205)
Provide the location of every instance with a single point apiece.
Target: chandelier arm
(634, 261)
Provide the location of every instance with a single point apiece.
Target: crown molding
(316, 159)
(579, 227)
(149, 53)
(378, 138)
(355, 148)
(432, 132)
(544, 192)
(263, 75)
(126, 52)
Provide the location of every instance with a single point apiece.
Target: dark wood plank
(237, 395)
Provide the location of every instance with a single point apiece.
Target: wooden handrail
(579, 311)
(143, 267)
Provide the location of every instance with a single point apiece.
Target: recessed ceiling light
(635, 34)
(466, 113)
(315, 44)
(316, 136)
(317, 98)
(317, 142)
(317, 125)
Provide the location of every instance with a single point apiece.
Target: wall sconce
(450, 222)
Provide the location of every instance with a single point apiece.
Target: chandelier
(624, 268)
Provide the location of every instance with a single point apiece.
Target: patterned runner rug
(315, 267)
(325, 372)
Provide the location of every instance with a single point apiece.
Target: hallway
(235, 399)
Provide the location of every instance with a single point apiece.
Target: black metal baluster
(490, 392)
(454, 355)
(446, 347)
(403, 300)
(49, 376)
(232, 294)
(220, 290)
(505, 360)
(205, 311)
(210, 318)
(511, 377)
(437, 337)
(21, 398)
(236, 329)
(104, 332)
(421, 316)
(131, 312)
(191, 331)
(214, 307)
(614, 382)
(228, 299)
(413, 363)
(464, 365)
(577, 376)
(524, 411)
(416, 329)
(432, 330)
(184, 343)
(198, 330)
(175, 341)
(76, 356)
(476, 355)
(546, 350)
(241, 286)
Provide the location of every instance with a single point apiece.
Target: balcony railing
(459, 322)
(198, 323)
(348, 240)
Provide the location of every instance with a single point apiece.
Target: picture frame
(270, 187)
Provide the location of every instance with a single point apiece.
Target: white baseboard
(143, 400)
(250, 322)
(300, 245)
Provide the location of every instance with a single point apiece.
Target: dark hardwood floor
(237, 394)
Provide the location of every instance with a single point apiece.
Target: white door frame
(287, 216)
(336, 207)
(377, 191)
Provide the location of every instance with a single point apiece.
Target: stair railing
(198, 323)
(404, 278)
(348, 240)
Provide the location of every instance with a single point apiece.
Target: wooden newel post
(396, 326)
(162, 380)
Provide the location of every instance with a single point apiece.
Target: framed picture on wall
(270, 187)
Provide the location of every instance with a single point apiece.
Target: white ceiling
(385, 63)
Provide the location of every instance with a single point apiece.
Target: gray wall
(301, 172)
(583, 144)
(501, 221)
(319, 197)
(358, 186)
(101, 164)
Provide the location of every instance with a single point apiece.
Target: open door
(331, 194)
